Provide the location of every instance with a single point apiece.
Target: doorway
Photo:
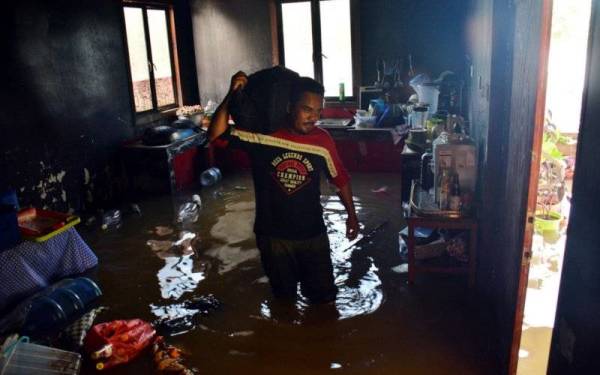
(556, 165)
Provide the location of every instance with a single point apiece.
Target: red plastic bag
(118, 342)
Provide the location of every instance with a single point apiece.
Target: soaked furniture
(411, 169)
(369, 150)
(164, 168)
(435, 265)
(31, 266)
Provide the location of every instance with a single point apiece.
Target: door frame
(540, 110)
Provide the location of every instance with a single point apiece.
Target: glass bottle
(444, 189)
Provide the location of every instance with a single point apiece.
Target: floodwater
(154, 268)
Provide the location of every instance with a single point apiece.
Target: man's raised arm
(220, 120)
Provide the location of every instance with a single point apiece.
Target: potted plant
(551, 183)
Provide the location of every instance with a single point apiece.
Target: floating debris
(261, 280)
(401, 268)
(241, 334)
(182, 317)
(163, 231)
(168, 359)
(380, 190)
(188, 212)
(111, 219)
(157, 245)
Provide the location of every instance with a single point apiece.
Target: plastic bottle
(210, 176)
(454, 201)
(104, 352)
(342, 92)
(188, 212)
(111, 219)
(444, 189)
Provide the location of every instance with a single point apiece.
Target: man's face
(306, 112)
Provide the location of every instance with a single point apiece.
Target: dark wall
(65, 99)
(432, 31)
(185, 49)
(574, 348)
(229, 35)
(66, 103)
(490, 33)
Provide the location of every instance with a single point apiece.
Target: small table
(31, 266)
(469, 224)
(164, 168)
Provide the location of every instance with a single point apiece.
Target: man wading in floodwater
(286, 167)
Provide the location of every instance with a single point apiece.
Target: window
(317, 42)
(150, 57)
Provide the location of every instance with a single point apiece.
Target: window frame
(171, 37)
(317, 55)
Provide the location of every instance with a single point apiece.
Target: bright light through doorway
(566, 74)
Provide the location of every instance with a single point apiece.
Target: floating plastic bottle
(111, 219)
(210, 176)
(188, 212)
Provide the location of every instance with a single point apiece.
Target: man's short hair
(302, 85)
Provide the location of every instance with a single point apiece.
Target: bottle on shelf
(454, 201)
(445, 183)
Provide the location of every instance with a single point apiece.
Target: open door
(544, 47)
(574, 348)
(563, 50)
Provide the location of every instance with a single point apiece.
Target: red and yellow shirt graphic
(286, 170)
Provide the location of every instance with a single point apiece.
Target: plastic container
(29, 359)
(429, 93)
(362, 119)
(86, 289)
(39, 225)
(210, 176)
(111, 219)
(50, 313)
(419, 117)
(188, 212)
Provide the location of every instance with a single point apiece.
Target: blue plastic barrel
(54, 311)
(86, 289)
(45, 316)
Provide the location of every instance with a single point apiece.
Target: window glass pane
(138, 58)
(297, 37)
(161, 57)
(336, 46)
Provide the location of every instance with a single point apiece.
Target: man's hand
(219, 121)
(238, 81)
(352, 227)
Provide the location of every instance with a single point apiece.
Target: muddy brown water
(152, 265)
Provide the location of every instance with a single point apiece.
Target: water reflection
(176, 317)
(359, 285)
(181, 317)
(234, 232)
(178, 277)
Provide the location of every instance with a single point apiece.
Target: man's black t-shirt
(286, 170)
